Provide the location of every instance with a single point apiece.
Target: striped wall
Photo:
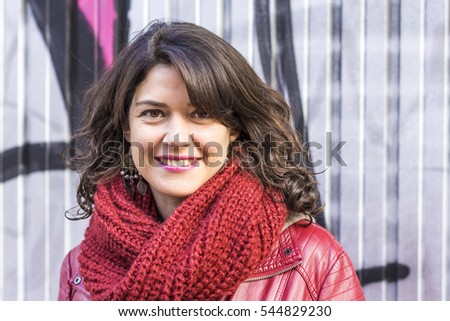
(368, 81)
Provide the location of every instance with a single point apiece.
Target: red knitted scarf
(203, 251)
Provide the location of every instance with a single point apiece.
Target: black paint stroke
(288, 66)
(55, 14)
(75, 53)
(85, 62)
(393, 133)
(31, 158)
(286, 73)
(392, 272)
(121, 25)
(262, 21)
(336, 110)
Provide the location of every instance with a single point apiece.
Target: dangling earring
(130, 174)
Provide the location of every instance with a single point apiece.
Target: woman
(193, 178)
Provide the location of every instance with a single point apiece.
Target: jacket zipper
(274, 274)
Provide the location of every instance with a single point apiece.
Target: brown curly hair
(219, 81)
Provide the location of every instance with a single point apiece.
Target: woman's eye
(153, 113)
(200, 114)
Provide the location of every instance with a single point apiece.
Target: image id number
(296, 311)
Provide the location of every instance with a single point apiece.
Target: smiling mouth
(177, 162)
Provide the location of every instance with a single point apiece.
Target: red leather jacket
(306, 264)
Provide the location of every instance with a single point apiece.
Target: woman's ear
(126, 132)
(126, 135)
(233, 135)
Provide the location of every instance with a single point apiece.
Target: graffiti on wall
(83, 37)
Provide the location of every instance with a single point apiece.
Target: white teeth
(177, 162)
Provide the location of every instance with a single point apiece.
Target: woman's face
(175, 148)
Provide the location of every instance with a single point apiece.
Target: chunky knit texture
(203, 251)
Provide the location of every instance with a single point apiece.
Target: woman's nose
(178, 133)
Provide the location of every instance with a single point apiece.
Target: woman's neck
(166, 205)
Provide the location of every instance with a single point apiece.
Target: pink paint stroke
(102, 24)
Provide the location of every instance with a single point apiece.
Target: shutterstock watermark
(331, 151)
(272, 152)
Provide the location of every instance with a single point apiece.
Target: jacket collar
(285, 255)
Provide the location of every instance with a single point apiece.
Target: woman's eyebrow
(151, 103)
